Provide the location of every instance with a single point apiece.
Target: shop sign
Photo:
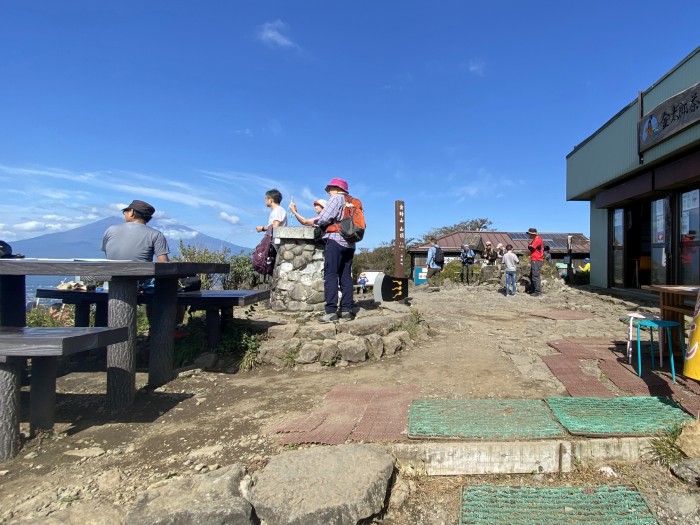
(668, 118)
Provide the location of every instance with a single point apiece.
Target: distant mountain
(86, 241)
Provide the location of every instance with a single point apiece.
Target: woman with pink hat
(338, 254)
(319, 204)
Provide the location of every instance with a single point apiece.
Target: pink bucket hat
(338, 183)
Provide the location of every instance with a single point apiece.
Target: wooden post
(121, 358)
(164, 311)
(12, 313)
(10, 372)
(399, 238)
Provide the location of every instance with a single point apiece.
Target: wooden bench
(213, 302)
(43, 346)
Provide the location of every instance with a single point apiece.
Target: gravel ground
(481, 345)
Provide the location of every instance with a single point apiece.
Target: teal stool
(666, 325)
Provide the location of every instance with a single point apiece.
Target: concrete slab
(517, 457)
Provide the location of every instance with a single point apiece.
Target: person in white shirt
(510, 261)
(278, 215)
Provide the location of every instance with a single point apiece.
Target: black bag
(319, 233)
(264, 255)
(6, 252)
(439, 257)
(190, 284)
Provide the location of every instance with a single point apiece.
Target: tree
(472, 225)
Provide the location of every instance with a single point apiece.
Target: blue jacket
(431, 258)
(467, 255)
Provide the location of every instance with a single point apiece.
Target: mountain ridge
(86, 241)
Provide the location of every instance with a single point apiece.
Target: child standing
(510, 261)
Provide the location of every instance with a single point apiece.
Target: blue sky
(461, 109)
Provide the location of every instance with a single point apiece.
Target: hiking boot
(329, 318)
(347, 316)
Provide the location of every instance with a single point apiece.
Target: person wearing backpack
(338, 254)
(436, 260)
(467, 256)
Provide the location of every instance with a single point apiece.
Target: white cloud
(271, 34)
(30, 226)
(179, 234)
(232, 219)
(477, 67)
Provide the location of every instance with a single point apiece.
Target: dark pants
(467, 273)
(535, 277)
(337, 268)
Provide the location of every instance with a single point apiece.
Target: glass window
(689, 243)
(618, 244)
(618, 227)
(658, 241)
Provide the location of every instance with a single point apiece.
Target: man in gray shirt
(135, 240)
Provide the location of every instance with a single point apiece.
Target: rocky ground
(481, 345)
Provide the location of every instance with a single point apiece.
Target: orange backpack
(352, 225)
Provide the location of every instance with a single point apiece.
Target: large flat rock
(338, 485)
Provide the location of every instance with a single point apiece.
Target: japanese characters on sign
(400, 237)
(668, 118)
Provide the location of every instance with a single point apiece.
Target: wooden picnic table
(123, 277)
(213, 302)
(672, 299)
(672, 303)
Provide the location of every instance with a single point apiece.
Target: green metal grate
(494, 419)
(621, 416)
(604, 505)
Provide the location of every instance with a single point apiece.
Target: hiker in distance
(467, 256)
(338, 254)
(436, 260)
(536, 248)
(278, 215)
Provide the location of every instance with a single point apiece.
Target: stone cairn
(297, 279)
(296, 296)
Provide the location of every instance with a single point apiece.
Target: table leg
(13, 293)
(121, 357)
(163, 320)
(42, 398)
(82, 314)
(10, 372)
(214, 321)
(672, 299)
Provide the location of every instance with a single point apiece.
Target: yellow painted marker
(691, 368)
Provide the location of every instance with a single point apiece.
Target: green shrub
(241, 273)
(411, 326)
(664, 447)
(60, 316)
(451, 271)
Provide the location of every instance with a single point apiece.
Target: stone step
(516, 457)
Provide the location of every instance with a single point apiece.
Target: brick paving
(371, 413)
(611, 360)
(353, 413)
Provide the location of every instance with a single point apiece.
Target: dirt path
(482, 345)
